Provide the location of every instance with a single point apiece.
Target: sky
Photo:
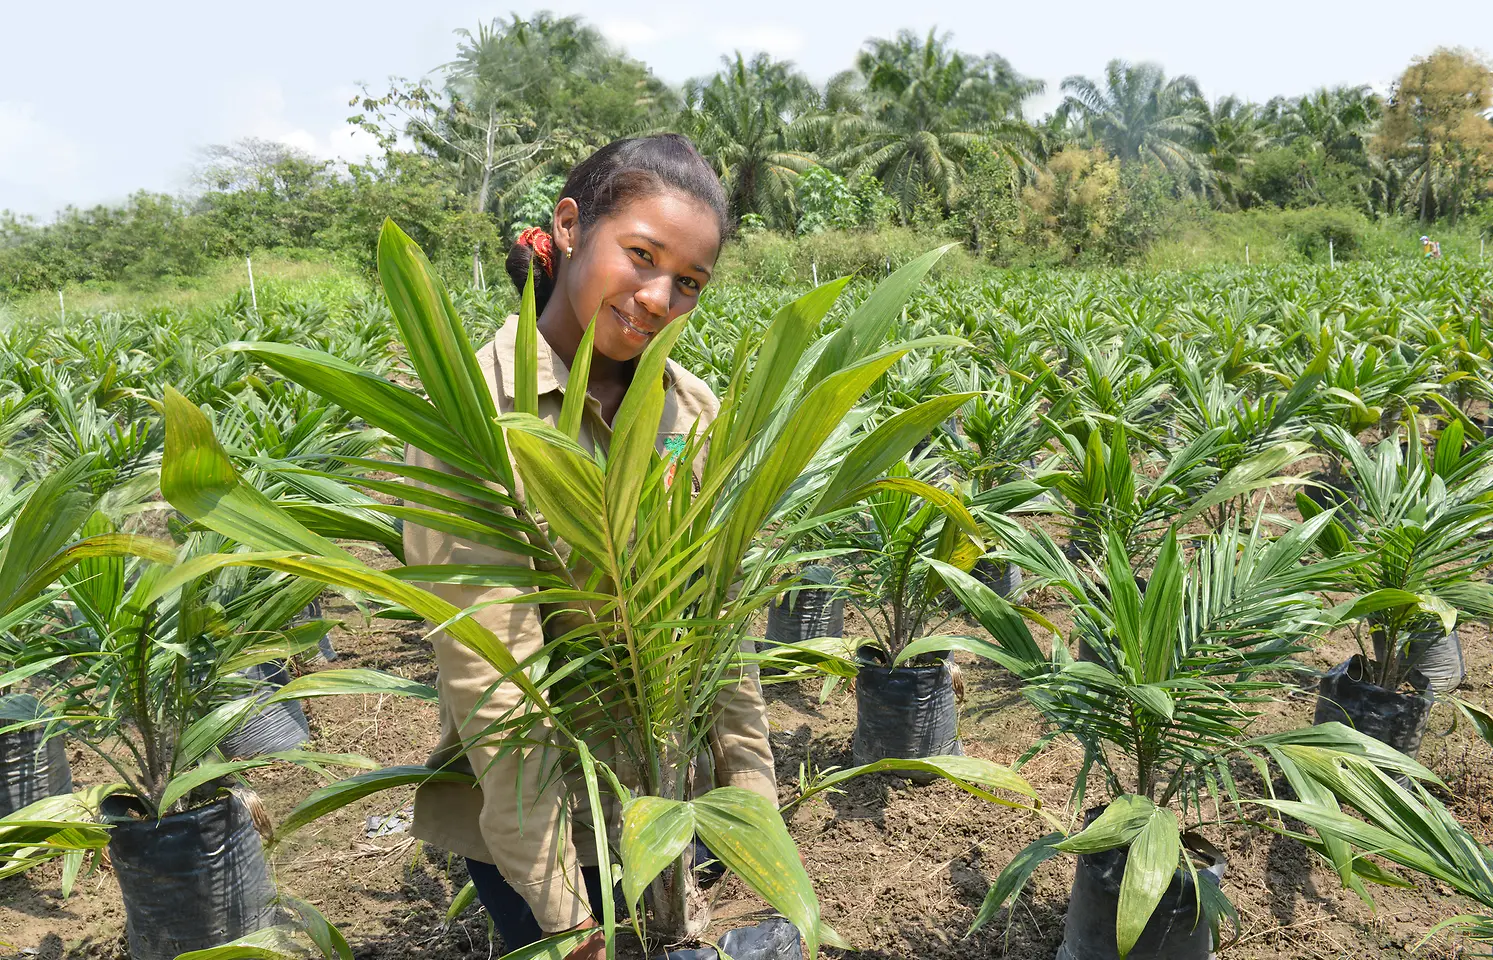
(101, 98)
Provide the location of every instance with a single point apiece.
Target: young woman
(635, 237)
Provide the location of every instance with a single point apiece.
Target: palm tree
(1141, 115)
(1239, 130)
(743, 120)
(914, 110)
(1337, 120)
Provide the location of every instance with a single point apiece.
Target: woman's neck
(608, 380)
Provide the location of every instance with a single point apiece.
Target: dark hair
(616, 175)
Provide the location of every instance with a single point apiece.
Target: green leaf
(331, 683)
(358, 576)
(864, 332)
(382, 404)
(464, 898)
(1124, 818)
(1149, 869)
(337, 795)
(1479, 717)
(182, 784)
(778, 357)
(199, 480)
(574, 405)
(526, 352)
(272, 943)
(328, 939)
(970, 774)
(53, 512)
(635, 440)
(1014, 877)
(567, 488)
(746, 832)
(557, 947)
(999, 618)
(655, 832)
(886, 445)
(439, 349)
(208, 731)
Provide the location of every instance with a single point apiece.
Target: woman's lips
(628, 326)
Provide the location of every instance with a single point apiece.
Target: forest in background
(917, 143)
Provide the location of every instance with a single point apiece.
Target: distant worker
(1431, 247)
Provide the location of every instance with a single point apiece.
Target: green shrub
(1312, 230)
(770, 257)
(825, 202)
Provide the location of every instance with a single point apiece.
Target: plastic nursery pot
(1337, 491)
(1176, 931)
(1348, 696)
(324, 645)
(33, 765)
(1434, 654)
(907, 713)
(191, 880)
(281, 726)
(1003, 578)
(809, 611)
(772, 939)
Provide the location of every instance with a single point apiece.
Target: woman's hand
(592, 948)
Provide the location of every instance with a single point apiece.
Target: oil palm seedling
(905, 686)
(1102, 489)
(656, 631)
(1400, 821)
(1413, 527)
(41, 522)
(1162, 715)
(1250, 421)
(153, 682)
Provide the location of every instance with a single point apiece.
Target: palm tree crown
(1139, 114)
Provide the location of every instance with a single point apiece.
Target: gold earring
(567, 251)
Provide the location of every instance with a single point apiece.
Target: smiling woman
(636, 232)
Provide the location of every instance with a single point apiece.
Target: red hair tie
(543, 246)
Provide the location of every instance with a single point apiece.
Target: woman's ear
(567, 226)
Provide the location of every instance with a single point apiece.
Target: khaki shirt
(534, 847)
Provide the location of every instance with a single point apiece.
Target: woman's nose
(653, 296)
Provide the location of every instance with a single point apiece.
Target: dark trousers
(510, 912)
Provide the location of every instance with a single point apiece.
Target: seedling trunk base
(1437, 655)
(190, 881)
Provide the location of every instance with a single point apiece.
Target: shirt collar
(553, 375)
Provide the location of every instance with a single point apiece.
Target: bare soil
(901, 870)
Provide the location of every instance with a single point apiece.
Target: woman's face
(639, 269)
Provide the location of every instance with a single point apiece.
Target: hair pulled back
(610, 179)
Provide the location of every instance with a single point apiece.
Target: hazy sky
(98, 99)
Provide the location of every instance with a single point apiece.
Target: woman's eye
(644, 254)
(690, 284)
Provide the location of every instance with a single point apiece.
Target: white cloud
(777, 40)
(32, 152)
(632, 32)
(260, 111)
